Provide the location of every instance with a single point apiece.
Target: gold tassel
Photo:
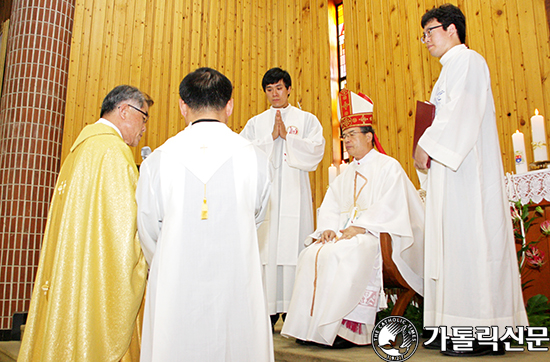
(204, 210)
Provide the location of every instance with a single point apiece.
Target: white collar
(365, 158)
(451, 52)
(110, 124)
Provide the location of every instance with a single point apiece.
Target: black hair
(123, 93)
(447, 14)
(206, 88)
(274, 75)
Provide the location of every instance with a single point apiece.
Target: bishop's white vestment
(332, 278)
(200, 198)
(471, 266)
(289, 219)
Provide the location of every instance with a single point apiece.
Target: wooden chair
(393, 278)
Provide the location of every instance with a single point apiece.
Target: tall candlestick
(519, 152)
(539, 137)
(331, 173)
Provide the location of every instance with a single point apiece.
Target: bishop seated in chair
(339, 284)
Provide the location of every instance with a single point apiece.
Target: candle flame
(517, 130)
(343, 162)
(536, 112)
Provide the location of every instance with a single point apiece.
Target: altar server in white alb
(338, 288)
(293, 140)
(200, 198)
(471, 267)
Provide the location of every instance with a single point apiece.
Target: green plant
(414, 313)
(538, 311)
(522, 222)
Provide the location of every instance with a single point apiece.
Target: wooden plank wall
(153, 44)
(387, 61)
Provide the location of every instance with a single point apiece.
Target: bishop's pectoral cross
(204, 209)
(355, 210)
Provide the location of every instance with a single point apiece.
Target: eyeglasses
(428, 33)
(140, 111)
(351, 134)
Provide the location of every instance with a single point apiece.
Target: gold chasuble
(91, 276)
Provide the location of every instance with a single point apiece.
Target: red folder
(425, 114)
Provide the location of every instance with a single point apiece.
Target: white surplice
(387, 202)
(472, 274)
(205, 299)
(289, 219)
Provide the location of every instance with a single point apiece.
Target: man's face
(277, 94)
(133, 127)
(437, 40)
(357, 144)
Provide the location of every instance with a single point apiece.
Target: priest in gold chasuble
(91, 275)
(338, 287)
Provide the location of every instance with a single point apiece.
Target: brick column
(31, 127)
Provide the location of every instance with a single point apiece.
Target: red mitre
(355, 110)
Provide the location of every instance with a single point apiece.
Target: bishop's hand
(351, 231)
(327, 236)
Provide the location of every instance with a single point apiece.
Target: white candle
(343, 166)
(519, 152)
(331, 173)
(539, 137)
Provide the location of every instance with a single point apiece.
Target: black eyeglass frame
(428, 33)
(146, 114)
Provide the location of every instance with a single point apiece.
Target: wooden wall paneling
(237, 53)
(312, 87)
(247, 61)
(409, 45)
(230, 60)
(96, 89)
(252, 95)
(155, 135)
(71, 126)
(309, 38)
(145, 78)
(509, 83)
(527, 24)
(172, 116)
(542, 34)
(206, 35)
(262, 61)
(323, 99)
(195, 34)
(381, 50)
(105, 50)
(138, 53)
(402, 81)
(117, 42)
(169, 104)
(417, 66)
(431, 65)
(79, 79)
(499, 60)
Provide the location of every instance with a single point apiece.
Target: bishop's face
(357, 144)
(277, 94)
